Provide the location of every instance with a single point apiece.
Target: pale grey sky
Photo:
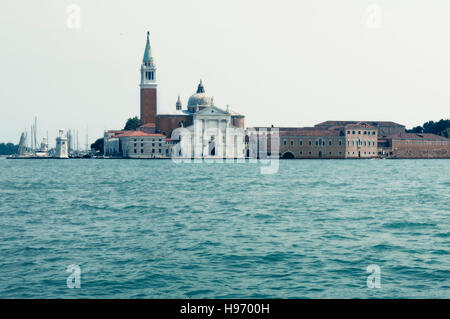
(287, 63)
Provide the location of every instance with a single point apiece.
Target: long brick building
(352, 140)
(414, 145)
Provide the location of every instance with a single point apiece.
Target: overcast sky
(287, 63)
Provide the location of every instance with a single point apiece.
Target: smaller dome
(200, 98)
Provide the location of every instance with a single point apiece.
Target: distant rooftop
(136, 134)
(360, 125)
(148, 125)
(308, 132)
(417, 136)
(374, 123)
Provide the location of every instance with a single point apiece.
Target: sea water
(159, 229)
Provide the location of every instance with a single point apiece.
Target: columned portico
(209, 135)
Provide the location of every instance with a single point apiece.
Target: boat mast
(35, 134)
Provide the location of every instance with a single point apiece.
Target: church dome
(200, 98)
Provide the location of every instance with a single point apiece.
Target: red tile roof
(374, 123)
(137, 134)
(310, 132)
(148, 125)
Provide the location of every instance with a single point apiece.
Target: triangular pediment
(212, 110)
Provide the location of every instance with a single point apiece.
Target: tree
(98, 145)
(8, 149)
(429, 127)
(417, 129)
(442, 128)
(132, 124)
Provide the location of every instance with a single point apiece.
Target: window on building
(329, 153)
(309, 152)
(340, 142)
(135, 151)
(353, 132)
(373, 132)
(359, 132)
(135, 145)
(365, 132)
(160, 150)
(292, 142)
(301, 142)
(329, 142)
(348, 132)
(142, 144)
(301, 152)
(142, 150)
(284, 142)
(153, 150)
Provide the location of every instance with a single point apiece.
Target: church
(212, 132)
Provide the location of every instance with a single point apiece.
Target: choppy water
(156, 229)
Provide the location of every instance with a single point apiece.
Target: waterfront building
(111, 144)
(414, 145)
(213, 131)
(357, 140)
(384, 128)
(309, 143)
(361, 140)
(62, 150)
(166, 123)
(136, 144)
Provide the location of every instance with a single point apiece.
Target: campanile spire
(148, 86)
(148, 50)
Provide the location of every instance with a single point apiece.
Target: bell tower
(148, 86)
